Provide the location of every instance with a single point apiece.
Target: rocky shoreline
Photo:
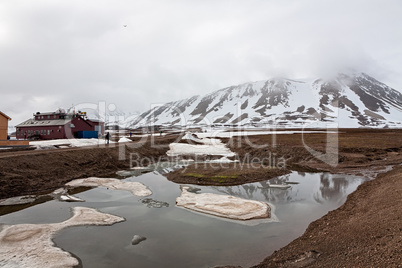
(364, 232)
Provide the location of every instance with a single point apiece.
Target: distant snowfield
(208, 143)
(149, 134)
(178, 148)
(229, 134)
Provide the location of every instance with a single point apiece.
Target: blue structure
(87, 134)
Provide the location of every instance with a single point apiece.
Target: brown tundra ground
(365, 232)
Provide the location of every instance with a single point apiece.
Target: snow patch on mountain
(347, 100)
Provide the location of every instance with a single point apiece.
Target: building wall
(55, 132)
(3, 127)
(79, 125)
(13, 143)
(45, 132)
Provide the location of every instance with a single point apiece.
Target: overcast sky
(58, 53)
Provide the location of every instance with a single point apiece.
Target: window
(48, 132)
(54, 116)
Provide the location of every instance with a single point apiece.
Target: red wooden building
(57, 125)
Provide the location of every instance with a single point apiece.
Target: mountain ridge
(349, 100)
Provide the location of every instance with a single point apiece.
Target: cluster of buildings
(53, 125)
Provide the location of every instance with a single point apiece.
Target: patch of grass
(194, 175)
(219, 178)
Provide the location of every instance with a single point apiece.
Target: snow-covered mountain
(349, 100)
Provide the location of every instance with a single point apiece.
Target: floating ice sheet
(136, 188)
(30, 245)
(225, 206)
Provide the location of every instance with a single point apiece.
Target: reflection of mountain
(261, 190)
(332, 189)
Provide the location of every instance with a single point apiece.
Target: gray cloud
(57, 53)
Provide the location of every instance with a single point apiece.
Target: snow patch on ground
(136, 188)
(125, 139)
(45, 144)
(31, 245)
(18, 200)
(208, 147)
(190, 149)
(225, 206)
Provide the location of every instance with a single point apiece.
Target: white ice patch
(225, 206)
(136, 188)
(70, 198)
(125, 139)
(45, 144)
(192, 137)
(279, 186)
(17, 200)
(30, 245)
(208, 147)
(62, 195)
(190, 149)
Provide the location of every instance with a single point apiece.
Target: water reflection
(332, 187)
(180, 238)
(321, 188)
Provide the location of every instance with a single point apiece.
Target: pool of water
(176, 237)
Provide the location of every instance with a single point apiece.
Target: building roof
(40, 123)
(95, 120)
(49, 113)
(6, 116)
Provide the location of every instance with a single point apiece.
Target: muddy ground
(42, 171)
(364, 232)
(355, 151)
